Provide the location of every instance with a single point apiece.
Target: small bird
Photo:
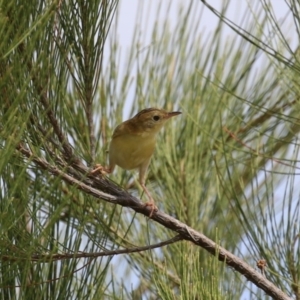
(133, 143)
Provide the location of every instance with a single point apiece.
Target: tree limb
(106, 190)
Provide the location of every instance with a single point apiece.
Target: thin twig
(61, 256)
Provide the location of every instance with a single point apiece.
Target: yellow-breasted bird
(133, 143)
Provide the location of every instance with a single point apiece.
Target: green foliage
(228, 166)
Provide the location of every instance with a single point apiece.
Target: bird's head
(151, 120)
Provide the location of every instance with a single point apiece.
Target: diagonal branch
(104, 189)
(68, 151)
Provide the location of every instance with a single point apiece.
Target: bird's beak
(173, 114)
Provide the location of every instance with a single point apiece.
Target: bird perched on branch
(133, 143)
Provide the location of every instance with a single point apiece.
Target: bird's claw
(154, 208)
(99, 169)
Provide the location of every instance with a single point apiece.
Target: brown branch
(68, 151)
(256, 152)
(54, 257)
(91, 128)
(104, 189)
(56, 127)
(69, 179)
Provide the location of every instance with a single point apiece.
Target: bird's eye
(156, 118)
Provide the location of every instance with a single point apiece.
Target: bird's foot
(100, 169)
(153, 207)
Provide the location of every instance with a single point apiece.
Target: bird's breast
(130, 151)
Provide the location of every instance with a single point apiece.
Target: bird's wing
(122, 129)
(119, 130)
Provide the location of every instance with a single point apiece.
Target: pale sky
(146, 13)
(129, 9)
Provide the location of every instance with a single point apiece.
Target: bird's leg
(151, 202)
(142, 175)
